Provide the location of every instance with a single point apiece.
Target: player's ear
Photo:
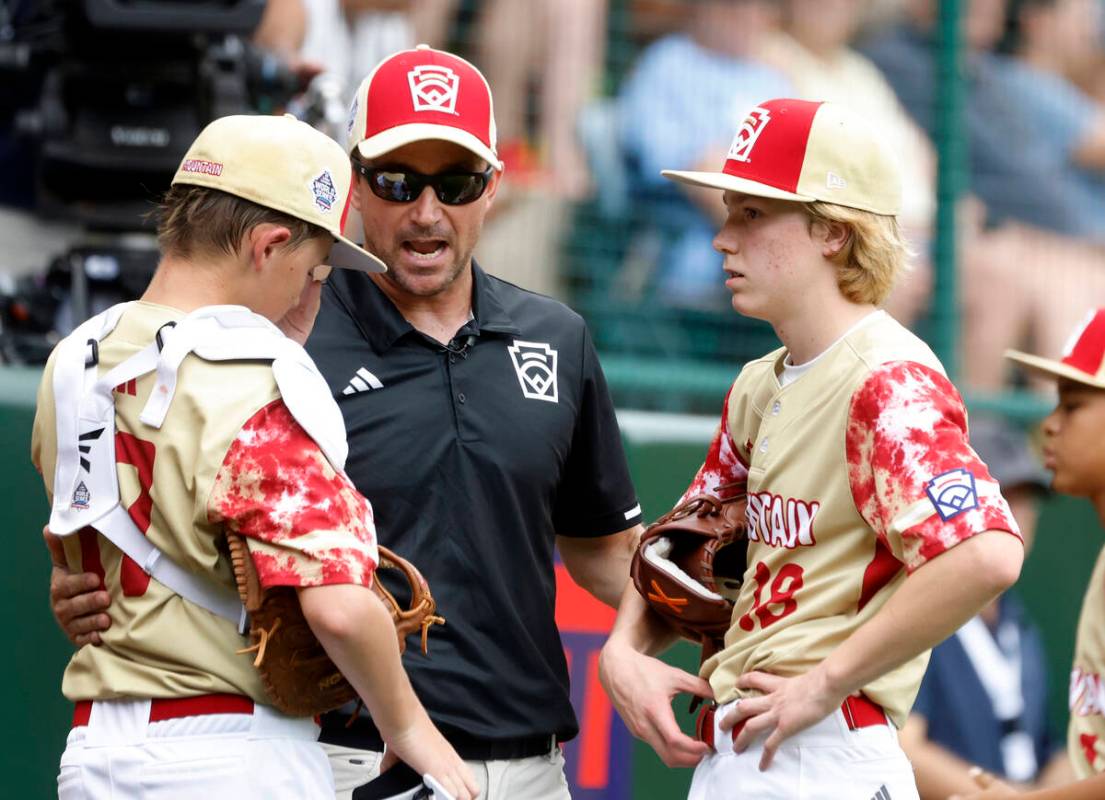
(833, 237)
(263, 241)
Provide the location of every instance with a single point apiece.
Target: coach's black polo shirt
(473, 457)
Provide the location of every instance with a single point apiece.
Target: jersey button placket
(457, 369)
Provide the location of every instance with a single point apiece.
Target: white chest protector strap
(86, 486)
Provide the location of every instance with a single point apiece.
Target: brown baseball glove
(690, 564)
(298, 676)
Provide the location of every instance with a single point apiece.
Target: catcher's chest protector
(86, 485)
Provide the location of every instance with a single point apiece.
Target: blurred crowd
(595, 98)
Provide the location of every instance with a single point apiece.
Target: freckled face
(767, 247)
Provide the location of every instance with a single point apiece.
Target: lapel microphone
(460, 347)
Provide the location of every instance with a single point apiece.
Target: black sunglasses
(404, 186)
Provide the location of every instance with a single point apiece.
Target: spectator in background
(557, 46)
(1050, 39)
(1029, 211)
(813, 50)
(350, 37)
(983, 700)
(1003, 167)
(687, 94)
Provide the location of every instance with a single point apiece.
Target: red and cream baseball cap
(1083, 358)
(282, 164)
(806, 151)
(423, 94)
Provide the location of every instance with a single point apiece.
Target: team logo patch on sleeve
(952, 493)
(535, 363)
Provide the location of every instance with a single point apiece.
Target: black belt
(363, 735)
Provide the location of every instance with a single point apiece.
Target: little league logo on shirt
(535, 364)
(749, 132)
(952, 493)
(434, 88)
(325, 193)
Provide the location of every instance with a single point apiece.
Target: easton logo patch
(434, 88)
(952, 493)
(749, 132)
(535, 363)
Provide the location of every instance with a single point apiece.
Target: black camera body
(128, 85)
(121, 88)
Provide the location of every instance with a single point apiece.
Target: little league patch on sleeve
(952, 493)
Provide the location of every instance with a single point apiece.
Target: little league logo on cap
(434, 88)
(421, 94)
(807, 151)
(749, 132)
(1083, 358)
(282, 164)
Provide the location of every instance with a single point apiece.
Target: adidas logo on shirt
(882, 793)
(363, 381)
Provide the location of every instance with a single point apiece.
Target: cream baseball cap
(806, 151)
(1083, 358)
(282, 164)
(421, 94)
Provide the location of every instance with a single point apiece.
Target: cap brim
(394, 138)
(731, 183)
(346, 255)
(1053, 369)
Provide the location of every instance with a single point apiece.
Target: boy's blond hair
(874, 256)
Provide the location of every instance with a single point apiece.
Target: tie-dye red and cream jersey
(1086, 731)
(857, 473)
(228, 456)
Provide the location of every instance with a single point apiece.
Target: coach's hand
(641, 689)
(785, 707)
(76, 600)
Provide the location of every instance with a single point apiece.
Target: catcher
(183, 433)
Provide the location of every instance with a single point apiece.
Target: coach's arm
(78, 603)
(600, 564)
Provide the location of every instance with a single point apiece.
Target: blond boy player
(874, 529)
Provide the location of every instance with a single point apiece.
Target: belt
(859, 712)
(363, 735)
(163, 708)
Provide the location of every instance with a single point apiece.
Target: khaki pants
(536, 778)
